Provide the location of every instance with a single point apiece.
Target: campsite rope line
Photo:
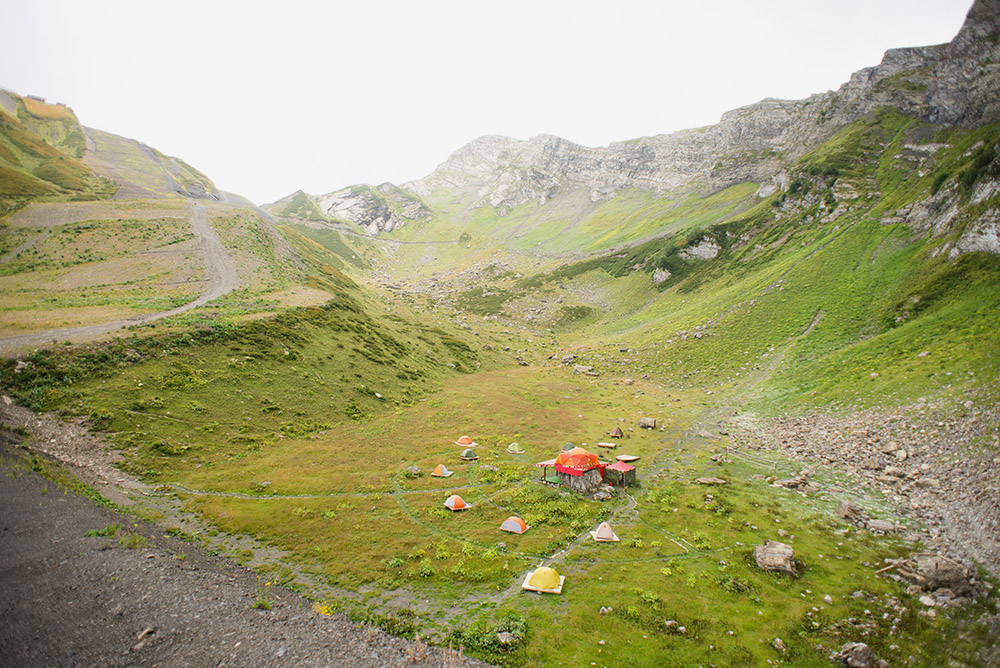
(328, 495)
(400, 499)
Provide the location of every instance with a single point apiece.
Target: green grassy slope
(841, 287)
(40, 150)
(298, 205)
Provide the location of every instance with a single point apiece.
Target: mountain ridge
(749, 144)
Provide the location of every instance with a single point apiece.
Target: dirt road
(220, 272)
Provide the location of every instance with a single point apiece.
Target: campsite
(684, 549)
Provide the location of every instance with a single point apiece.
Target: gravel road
(220, 272)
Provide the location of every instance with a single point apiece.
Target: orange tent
(441, 471)
(514, 525)
(577, 458)
(465, 440)
(455, 502)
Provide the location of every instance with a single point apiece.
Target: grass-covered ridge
(829, 274)
(41, 146)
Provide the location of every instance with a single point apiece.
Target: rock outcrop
(381, 209)
(955, 83)
(775, 556)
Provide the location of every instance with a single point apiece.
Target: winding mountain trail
(221, 277)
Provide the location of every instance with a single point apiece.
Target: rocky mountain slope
(950, 84)
(377, 209)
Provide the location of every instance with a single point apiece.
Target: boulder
(880, 526)
(775, 556)
(849, 511)
(790, 483)
(710, 481)
(932, 571)
(581, 368)
(647, 423)
(857, 655)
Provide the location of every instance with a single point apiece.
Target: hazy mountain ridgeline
(944, 85)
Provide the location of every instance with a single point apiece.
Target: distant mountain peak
(954, 83)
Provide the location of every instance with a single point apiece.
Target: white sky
(269, 97)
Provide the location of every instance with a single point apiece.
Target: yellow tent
(545, 580)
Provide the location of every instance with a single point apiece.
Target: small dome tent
(441, 471)
(514, 525)
(604, 534)
(455, 502)
(465, 440)
(544, 580)
(468, 455)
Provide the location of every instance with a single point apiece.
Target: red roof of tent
(577, 458)
(572, 471)
(621, 466)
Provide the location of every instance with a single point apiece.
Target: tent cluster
(572, 463)
(468, 454)
(546, 580)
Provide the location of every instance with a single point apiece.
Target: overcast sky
(270, 97)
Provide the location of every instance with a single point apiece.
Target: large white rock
(775, 556)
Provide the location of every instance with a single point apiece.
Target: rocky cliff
(950, 84)
(381, 209)
(955, 83)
